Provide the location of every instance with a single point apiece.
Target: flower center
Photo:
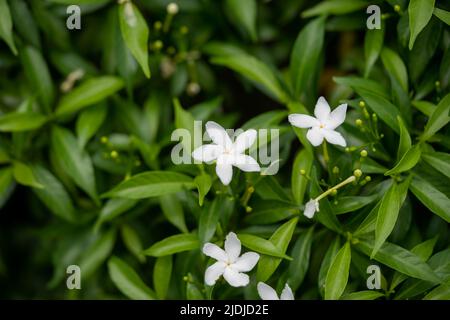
(322, 126)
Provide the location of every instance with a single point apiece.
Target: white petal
(287, 294)
(224, 172)
(322, 109)
(303, 121)
(207, 152)
(236, 278)
(246, 262)
(245, 140)
(232, 247)
(315, 136)
(213, 251)
(246, 163)
(266, 292)
(337, 117)
(334, 137)
(218, 134)
(310, 208)
(214, 272)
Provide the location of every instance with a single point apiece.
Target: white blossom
(229, 262)
(311, 207)
(323, 125)
(226, 153)
(266, 292)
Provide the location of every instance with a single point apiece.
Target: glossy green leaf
(363, 295)
(75, 161)
(89, 122)
(405, 139)
(281, 239)
(97, 253)
(431, 197)
(407, 162)
(151, 184)
(256, 71)
(395, 67)
(6, 26)
(441, 292)
(173, 244)
(132, 241)
(438, 119)
(88, 93)
(305, 55)
(135, 33)
(438, 160)
(420, 12)
(24, 175)
(173, 211)
(261, 245)
(21, 121)
(337, 275)
(243, 14)
(353, 203)
(326, 263)
(399, 259)
(303, 161)
(162, 272)
(373, 43)
(203, 183)
(128, 281)
(443, 15)
(336, 7)
(301, 253)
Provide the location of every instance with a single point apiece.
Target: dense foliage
(86, 170)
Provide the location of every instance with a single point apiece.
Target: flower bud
(363, 153)
(359, 122)
(302, 172)
(114, 154)
(397, 8)
(172, 8)
(357, 173)
(104, 139)
(335, 170)
(362, 104)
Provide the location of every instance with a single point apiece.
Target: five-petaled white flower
(229, 263)
(310, 208)
(323, 125)
(226, 153)
(268, 293)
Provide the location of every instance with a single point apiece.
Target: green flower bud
(357, 173)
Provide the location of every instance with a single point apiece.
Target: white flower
(268, 293)
(323, 125)
(226, 153)
(229, 263)
(310, 208)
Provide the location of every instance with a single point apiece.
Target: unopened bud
(359, 122)
(363, 153)
(172, 8)
(357, 173)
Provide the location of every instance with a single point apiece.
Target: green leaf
(441, 292)
(203, 183)
(132, 241)
(420, 12)
(24, 175)
(162, 272)
(6, 25)
(128, 281)
(363, 84)
(438, 119)
(135, 33)
(243, 14)
(386, 217)
(6, 184)
(335, 7)
(301, 253)
(353, 203)
(399, 259)
(24, 22)
(74, 160)
(423, 250)
(173, 211)
(363, 295)
(303, 161)
(88, 93)
(209, 218)
(21, 121)
(173, 244)
(38, 76)
(94, 256)
(306, 54)
(89, 122)
(405, 139)
(256, 71)
(326, 263)
(443, 15)
(431, 197)
(53, 194)
(261, 245)
(438, 160)
(281, 239)
(407, 162)
(270, 211)
(184, 120)
(395, 67)
(426, 107)
(373, 43)
(113, 208)
(337, 275)
(151, 184)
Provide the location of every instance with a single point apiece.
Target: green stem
(325, 152)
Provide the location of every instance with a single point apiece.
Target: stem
(343, 183)
(325, 152)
